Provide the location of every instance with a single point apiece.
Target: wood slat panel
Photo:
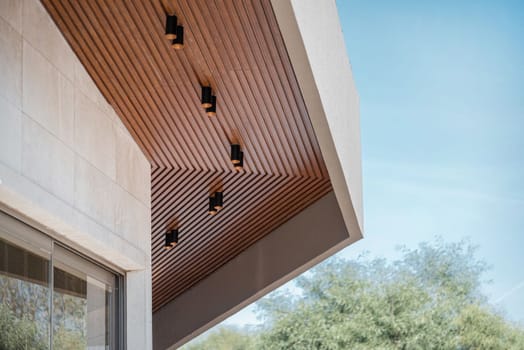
(235, 47)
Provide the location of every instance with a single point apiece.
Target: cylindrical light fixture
(206, 97)
(171, 25)
(212, 209)
(178, 42)
(235, 154)
(240, 165)
(174, 233)
(219, 200)
(212, 111)
(171, 239)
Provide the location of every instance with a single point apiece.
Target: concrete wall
(67, 164)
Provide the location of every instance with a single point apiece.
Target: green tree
(480, 328)
(225, 338)
(64, 339)
(16, 333)
(428, 299)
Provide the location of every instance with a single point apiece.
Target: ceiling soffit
(236, 48)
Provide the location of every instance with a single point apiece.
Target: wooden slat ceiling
(236, 47)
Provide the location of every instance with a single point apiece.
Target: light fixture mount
(216, 202)
(171, 25)
(206, 99)
(212, 111)
(240, 165)
(212, 210)
(235, 154)
(219, 200)
(171, 239)
(178, 42)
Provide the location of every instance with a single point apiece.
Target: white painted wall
(67, 163)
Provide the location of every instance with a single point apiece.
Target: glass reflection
(80, 311)
(24, 299)
(69, 310)
(76, 315)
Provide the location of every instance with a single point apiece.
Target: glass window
(80, 313)
(82, 303)
(24, 298)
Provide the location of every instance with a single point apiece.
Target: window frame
(35, 240)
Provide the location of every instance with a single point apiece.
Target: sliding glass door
(82, 303)
(24, 298)
(50, 297)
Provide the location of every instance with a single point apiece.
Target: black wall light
(178, 42)
(212, 210)
(240, 165)
(219, 200)
(212, 111)
(171, 239)
(216, 202)
(235, 154)
(171, 25)
(206, 97)
(237, 157)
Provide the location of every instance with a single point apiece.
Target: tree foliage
(18, 333)
(428, 299)
(225, 338)
(25, 316)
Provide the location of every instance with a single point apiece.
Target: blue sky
(441, 87)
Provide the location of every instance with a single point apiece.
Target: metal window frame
(35, 240)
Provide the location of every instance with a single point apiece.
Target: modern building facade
(151, 186)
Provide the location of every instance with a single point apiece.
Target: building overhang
(285, 93)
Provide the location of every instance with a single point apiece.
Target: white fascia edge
(315, 44)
